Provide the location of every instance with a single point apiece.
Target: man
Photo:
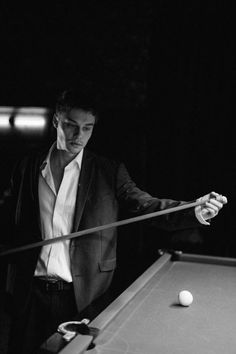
(60, 191)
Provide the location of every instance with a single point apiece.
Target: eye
(69, 125)
(87, 129)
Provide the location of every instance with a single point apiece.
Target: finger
(208, 212)
(222, 199)
(216, 203)
(213, 194)
(213, 207)
(210, 209)
(219, 197)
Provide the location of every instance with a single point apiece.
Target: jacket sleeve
(138, 202)
(6, 216)
(8, 206)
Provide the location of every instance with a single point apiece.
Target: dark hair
(79, 99)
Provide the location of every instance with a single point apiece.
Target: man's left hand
(213, 204)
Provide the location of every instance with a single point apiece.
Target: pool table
(147, 318)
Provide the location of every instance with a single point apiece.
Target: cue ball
(185, 298)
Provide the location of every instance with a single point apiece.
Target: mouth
(74, 143)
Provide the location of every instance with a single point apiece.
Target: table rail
(197, 258)
(108, 315)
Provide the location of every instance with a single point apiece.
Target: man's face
(74, 129)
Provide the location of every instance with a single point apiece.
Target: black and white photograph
(117, 177)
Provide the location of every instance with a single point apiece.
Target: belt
(52, 285)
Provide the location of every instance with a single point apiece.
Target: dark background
(165, 72)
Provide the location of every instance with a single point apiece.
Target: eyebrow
(87, 124)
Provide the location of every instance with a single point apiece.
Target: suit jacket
(104, 187)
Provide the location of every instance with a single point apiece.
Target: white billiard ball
(185, 298)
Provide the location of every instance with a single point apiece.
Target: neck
(61, 158)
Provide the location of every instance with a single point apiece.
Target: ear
(55, 121)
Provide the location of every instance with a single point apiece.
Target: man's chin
(74, 148)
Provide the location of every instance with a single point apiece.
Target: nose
(78, 132)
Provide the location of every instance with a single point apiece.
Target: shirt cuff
(198, 214)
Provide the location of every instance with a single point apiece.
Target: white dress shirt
(56, 217)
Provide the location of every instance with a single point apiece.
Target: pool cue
(102, 227)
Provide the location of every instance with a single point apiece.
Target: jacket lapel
(37, 162)
(85, 179)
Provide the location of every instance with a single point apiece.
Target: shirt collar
(46, 162)
(77, 160)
